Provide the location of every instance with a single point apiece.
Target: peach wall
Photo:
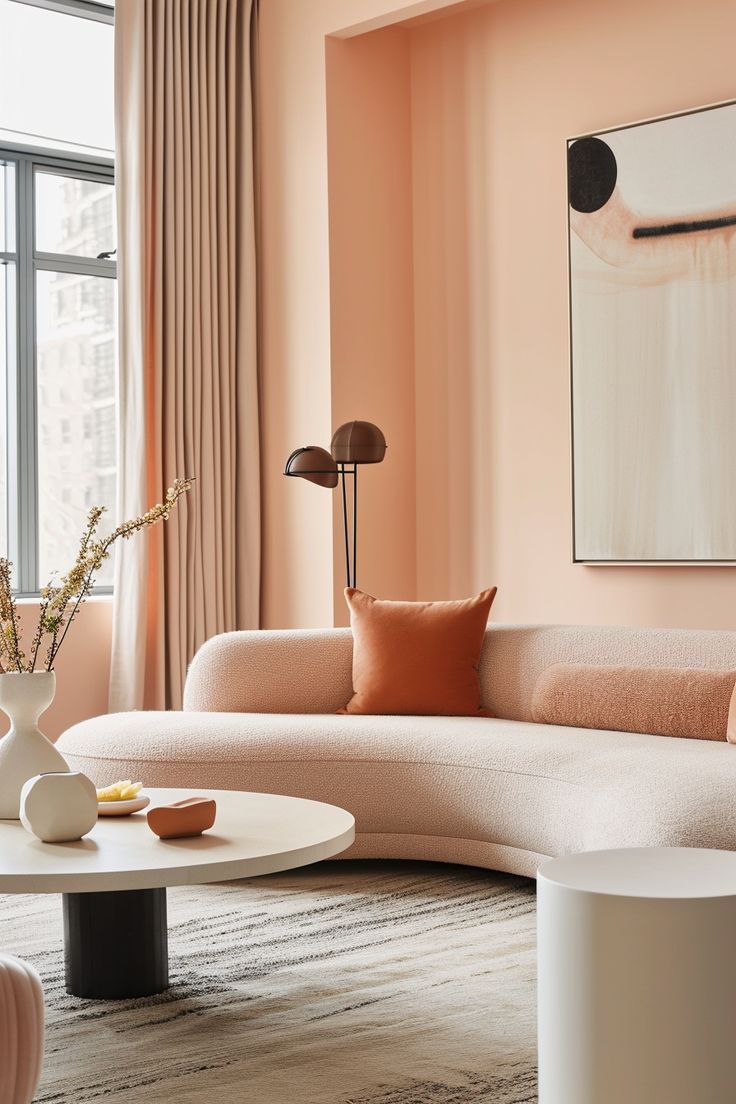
(300, 570)
(454, 294)
(372, 297)
(494, 93)
(83, 668)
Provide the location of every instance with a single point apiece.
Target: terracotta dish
(189, 817)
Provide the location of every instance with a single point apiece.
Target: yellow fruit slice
(131, 791)
(109, 793)
(119, 791)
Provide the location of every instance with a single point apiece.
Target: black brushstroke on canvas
(683, 227)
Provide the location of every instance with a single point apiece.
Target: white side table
(637, 977)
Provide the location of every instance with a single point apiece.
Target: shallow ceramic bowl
(123, 808)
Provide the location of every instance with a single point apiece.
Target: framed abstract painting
(652, 263)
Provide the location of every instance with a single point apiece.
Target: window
(56, 78)
(57, 285)
(60, 362)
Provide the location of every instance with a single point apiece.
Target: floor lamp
(353, 444)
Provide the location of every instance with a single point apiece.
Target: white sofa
(503, 793)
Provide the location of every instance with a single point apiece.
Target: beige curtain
(188, 371)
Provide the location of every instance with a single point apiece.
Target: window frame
(22, 381)
(85, 9)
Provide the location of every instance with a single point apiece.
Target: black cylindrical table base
(116, 944)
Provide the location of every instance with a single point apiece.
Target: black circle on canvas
(591, 174)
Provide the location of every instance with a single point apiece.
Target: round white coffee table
(114, 880)
(637, 977)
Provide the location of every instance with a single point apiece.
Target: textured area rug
(343, 983)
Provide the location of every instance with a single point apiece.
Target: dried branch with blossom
(11, 657)
(60, 602)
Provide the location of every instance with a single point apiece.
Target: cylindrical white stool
(637, 977)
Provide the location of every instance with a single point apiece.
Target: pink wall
(83, 668)
(372, 297)
(495, 93)
(453, 303)
(492, 92)
(300, 572)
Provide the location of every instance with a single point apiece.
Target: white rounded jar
(58, 807)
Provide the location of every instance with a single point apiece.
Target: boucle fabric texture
(501, 792)
(310, 670)
(417, 658)
(670, 701)
(533, 790)
(272, 671)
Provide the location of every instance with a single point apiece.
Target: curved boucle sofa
(503, 793)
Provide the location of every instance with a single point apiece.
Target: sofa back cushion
(665, 701)
(309, 670)
(514, 656)
(271, 671)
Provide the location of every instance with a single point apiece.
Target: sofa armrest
(272, 671)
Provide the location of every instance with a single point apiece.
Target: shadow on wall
(457, 445)
(411, 301)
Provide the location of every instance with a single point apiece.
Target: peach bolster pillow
(665, 701)
(418, 658)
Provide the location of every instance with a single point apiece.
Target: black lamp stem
(344, 470)
(345, 523)
(355, 524)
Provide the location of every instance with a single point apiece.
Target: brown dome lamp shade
(353, 443)
(358, 443)
(313, 463)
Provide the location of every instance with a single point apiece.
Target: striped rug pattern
(343, 983)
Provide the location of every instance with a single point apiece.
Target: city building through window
(58, 378)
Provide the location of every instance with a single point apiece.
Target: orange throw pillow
(418, 658)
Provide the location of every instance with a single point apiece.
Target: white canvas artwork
(652, 238)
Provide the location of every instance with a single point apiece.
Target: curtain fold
(188, 387)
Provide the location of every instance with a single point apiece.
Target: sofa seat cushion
(542, 789)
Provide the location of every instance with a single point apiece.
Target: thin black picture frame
(607, 562)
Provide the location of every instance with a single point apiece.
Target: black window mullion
(86, 9)
(9, 259)
(59, 262)
(23, 458)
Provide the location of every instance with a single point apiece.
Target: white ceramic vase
(25, 751)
